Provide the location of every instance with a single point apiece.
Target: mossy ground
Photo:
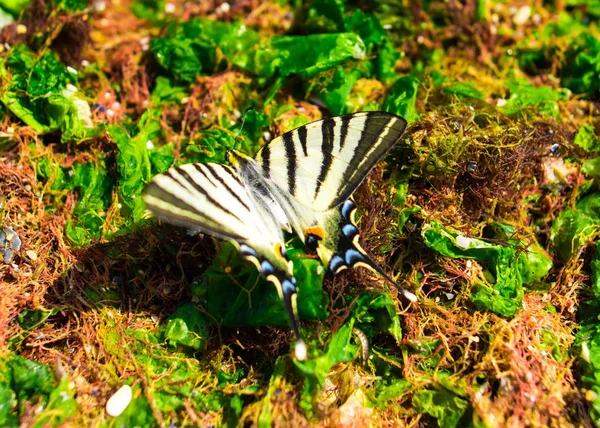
(502, 103)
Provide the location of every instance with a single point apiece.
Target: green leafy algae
(509, 267)
(25, 382)
(236, 294)
(40, 91)
(577, 226)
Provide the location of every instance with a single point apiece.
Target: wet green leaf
(15, 7)
(25, 383)
(135, 164)
(524, 95)
(581, 72)
(402, 97)
(167, 92)
(577, 226)
(31, 318)
(307, 55)
(40, 91)
(236, 294)
(183, 58)
(186, 326)
(586, 139)
(510, 268)
(326, 15)
(464, 89)
(377, 44)
(441, 404)
(377, 313)
(591, 167)
(315, 370)
(212, 145)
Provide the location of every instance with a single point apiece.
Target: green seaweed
(509, 267)
(41, 92)
(577, 226)
(236, 294)
(27, 382)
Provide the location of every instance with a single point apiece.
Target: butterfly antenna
(237, 133)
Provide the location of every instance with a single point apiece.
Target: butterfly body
(301, 182)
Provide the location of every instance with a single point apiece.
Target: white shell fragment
(119, 401)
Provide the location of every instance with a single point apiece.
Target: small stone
(119, 401)
(32, 255)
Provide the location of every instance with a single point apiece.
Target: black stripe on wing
(176, 197)
(290, 153)
(327, 132)
(380, 133)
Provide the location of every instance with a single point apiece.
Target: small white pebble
(501, 102)
(169, 7)
(224, 8)
(300, 350)
(119, 401)
(149, 145)
(522, 15)
(21, 29)
(85, 63)
(31, 254)
(449, 296)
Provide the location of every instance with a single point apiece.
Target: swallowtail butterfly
(301, 181)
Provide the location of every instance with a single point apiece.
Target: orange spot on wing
(315, 230)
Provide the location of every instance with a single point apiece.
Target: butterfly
(301, 182)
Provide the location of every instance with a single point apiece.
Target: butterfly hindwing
(340, 249)
(214, 199)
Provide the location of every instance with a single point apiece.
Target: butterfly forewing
(322, 163)
(207, 196)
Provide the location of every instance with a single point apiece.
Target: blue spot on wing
(247, 251)
(266, 268)
(347, 207)
(349, 230)
(353, 256)
(287, 287)
(336, 263)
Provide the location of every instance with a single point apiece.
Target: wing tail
(286, 288)
(349, 253)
